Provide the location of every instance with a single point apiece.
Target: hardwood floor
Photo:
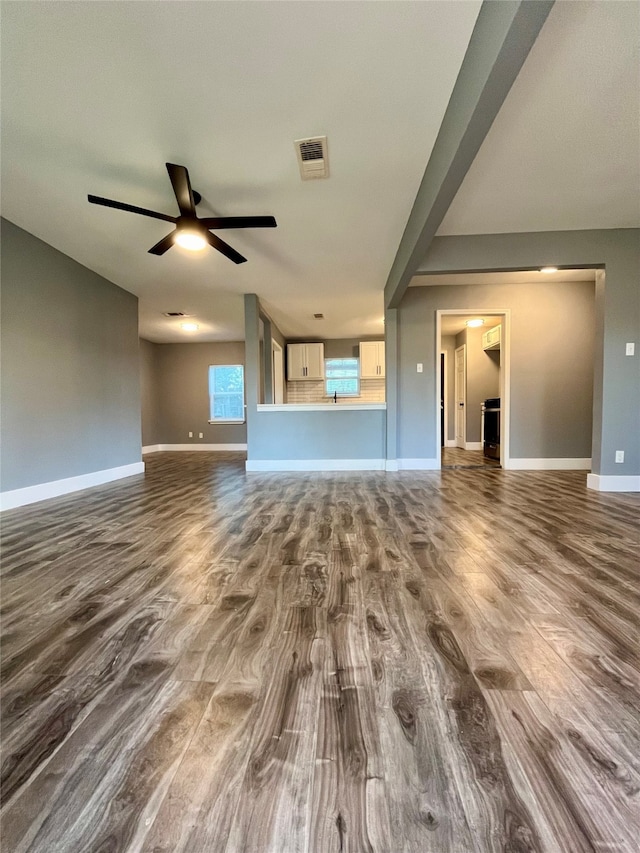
(455, 457)
(202, 660)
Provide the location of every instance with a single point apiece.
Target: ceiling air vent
(313, 157)
(174, 314)
(319, 316)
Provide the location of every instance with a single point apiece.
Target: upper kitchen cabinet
(305, 361)
(372, 360)
(491, 338)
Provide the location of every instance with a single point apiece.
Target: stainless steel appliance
(491, 427)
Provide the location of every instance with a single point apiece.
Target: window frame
(328, 379)
(214, 420)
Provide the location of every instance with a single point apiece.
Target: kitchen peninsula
(320, 431)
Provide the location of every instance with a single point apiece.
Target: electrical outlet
(190, 435)
(619, 455)
(419, 367)
(630, 349)
(200, 435)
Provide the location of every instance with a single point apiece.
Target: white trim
(320, 407)
(55, 488)
(276, 350)
(418, 464)
(450, 442)
(391, 465)
(473, 445)
(315, 464)
(155, 448)
(568, 464)
(614, 482)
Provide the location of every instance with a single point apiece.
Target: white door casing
(278, 372)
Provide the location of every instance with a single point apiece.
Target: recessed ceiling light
(549, 269)
(190, 240)
(189, 327)
(473, 323)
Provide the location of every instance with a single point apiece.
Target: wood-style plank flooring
(202, 660)
(455, 457)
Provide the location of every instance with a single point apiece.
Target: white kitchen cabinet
(372, 360)
(305, 361)
(491, 338)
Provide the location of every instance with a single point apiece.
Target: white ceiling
(97, 96)
(564, 150)
(452, 324)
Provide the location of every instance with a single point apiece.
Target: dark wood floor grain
(203, 660)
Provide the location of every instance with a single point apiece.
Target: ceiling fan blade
(119, 205)
(226, 249)
(181, 184)
(217, 222)
(164, 244)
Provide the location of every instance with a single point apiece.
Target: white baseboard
(614, 482)
(156, 448)
(450, 442)
(44, 491)
(562, 464)
(473, 445)
(418, 465)
(391, 465)
(315, 465)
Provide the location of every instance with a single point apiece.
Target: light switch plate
(630, 349)
(619, 455)
(419, 367)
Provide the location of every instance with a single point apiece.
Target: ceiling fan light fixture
(190, 240)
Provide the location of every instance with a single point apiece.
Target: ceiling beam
(501, 40)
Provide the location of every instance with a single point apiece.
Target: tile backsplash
(371, 391)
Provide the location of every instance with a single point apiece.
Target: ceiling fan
(190, 231)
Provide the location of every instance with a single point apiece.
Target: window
(342, 377)
(226, 393)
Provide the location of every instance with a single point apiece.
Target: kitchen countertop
(319, 407)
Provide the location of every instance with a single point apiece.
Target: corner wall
(552, 357)
(616, 389)
(70, 369)
(183, 393)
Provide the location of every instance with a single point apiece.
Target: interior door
(460, 394)
(443, 379)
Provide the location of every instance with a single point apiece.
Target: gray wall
(70, 366)
(616, 392)
(183, 392)
(552, 356)
(337, 434)
(483, 378)
(150, 393)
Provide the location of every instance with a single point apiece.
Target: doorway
(476, 342)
